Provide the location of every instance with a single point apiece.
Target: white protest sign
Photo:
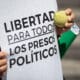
(28, 35)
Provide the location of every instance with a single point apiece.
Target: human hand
(3, 63)
(68, 24)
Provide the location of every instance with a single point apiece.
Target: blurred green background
(71, 61)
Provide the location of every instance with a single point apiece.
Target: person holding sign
(60, 31)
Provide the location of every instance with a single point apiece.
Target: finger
(71, 18)
(2, 55)
(68, 11)
(3, 69)
(3, 62)
(68, 25)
